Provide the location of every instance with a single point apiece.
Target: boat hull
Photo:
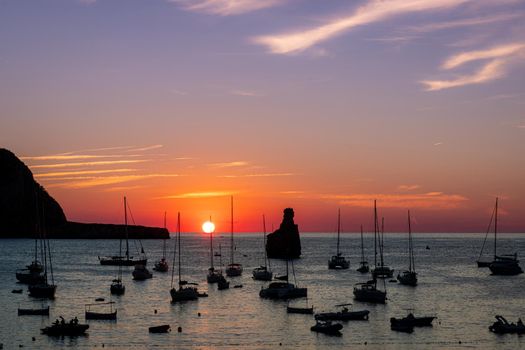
(338, 263)
(343, 316)
(234, 270)
(121, 261)
(42, 291)
(300, 310)
(117, 289)
(408, 278)
(30, 277)
(505, 268)
(280, 290)
(67, 329)
(484, 263)
(262, 274)
(327, 328)
(382, 272)
(101, 316)
(370, 296)
(39, 312)
(183, 294)
(160, 329)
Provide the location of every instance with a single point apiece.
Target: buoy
(155, 310)
(280, 344)
(199, 314)
(460, 341)
(33, 339)
(179, 329)
(366, 343)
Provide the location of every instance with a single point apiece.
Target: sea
(464, 298)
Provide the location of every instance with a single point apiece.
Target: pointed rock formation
(285, 242)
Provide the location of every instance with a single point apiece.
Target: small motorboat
(368, 292)
(261, 273)
(117, 287)
(327, 327)
(111, 315)
(223, 284)
(423, 321)
(39, 312)
(401, 325)
(502, 326)
(43, 290)
(506, 265)
(26, 276)
(343, 315)
(282, 290)
(338, 262)
(213, 275)
(141, 273)
(165, 328)
(408, 278)
(72, 328)
(17, 291)
(161, 265)
(234, 270)
(300, 310)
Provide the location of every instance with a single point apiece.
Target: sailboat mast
(362, 246)
(231, 243)
(381, 247)
(211, 247)
(409, 244)
(264, 243)
(495, 228)
(164, 241)
(338, 228)
(375, 234)
(178, 242)
(126, 227)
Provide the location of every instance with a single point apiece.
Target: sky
(311, 104)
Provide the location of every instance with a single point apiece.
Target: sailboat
(284, 289)
(222, 283)
(126, 260)
(184, 292)
(263, 273)
(234, 269)
(409, 277)
(503, 264)
(363, 264)
(380, 270)
(338, 262)
(162, 264)
(214, 275)
(44, 289)
(368, 291)
(117, 287)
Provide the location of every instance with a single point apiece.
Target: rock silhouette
(22, 199)
(284, 243)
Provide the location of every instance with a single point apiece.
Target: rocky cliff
(25, 204)
(285, 242)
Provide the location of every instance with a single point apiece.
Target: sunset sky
(310, 104)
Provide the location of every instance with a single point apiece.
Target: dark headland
(285, 243)
(21, 198)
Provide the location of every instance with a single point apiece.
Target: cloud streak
(106, 180)
(192, 195)
(499, 58)
(82, 164)
(226, 7)
(373, 11)
(82, 172)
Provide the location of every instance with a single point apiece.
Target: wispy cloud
(229, 164)
(146, 148)
(79, 183)
(408, 187)
(82, 164)
(246, 93)
(500, 57)
(373, 11)
(191, 195)
(430, 200)
(78, 156)
(435, 144)
(464, 22)
(226, 7)
(258, 175)
(81, 172)
(493, 52)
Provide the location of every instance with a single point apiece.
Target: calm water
(464, 298)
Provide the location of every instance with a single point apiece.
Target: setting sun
(208, 227)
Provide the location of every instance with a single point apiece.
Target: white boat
(233, 269)
(409, 277)
(263, 273)
(184, 292)
(338, 261)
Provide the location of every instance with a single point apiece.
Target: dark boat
(223, 284)
(368, 292)
(300, 310)
(327, 327)
(380, 270)
(214, 275)
(343, 315)
(263, 273)
(162, 264)
(283, 290)
(160, 329)
(117, 287)
(233, 269)
(141, 273)
(90, 315)
(506, 265)
(424, 321)
(184, 292)
(338, 261)
(41, 312)
(409, 277)
(71, 328)
(363, 264)
(401, 325)
(502, 326)
(126, 260)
